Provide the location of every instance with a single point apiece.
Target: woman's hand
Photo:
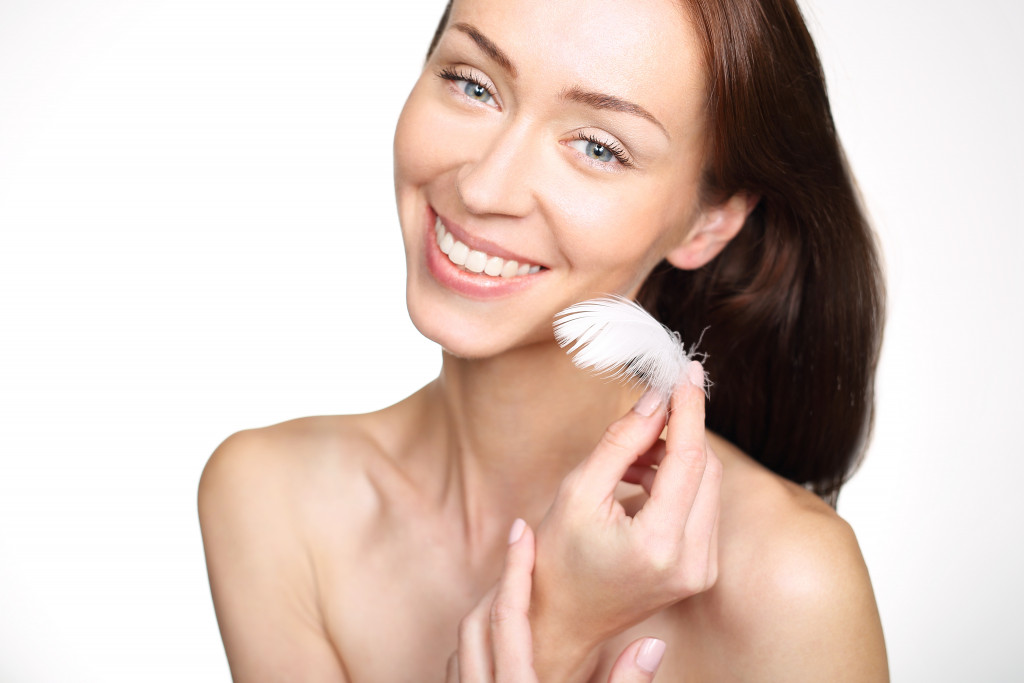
(495, 642)
(599, 570)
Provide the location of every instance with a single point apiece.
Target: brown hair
(790, 314)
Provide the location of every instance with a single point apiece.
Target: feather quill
(616, 338)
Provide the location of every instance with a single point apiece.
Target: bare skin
(349, 548)
(567, 136)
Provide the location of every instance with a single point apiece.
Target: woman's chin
(471, 337)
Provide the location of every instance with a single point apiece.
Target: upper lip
(481, 244)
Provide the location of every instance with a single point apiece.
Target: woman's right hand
(495, 642)
(599, 570)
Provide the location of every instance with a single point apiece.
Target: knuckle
(692, 579)
(692, 456)
(661, 557)
(618, 435)
(712, 576)
(501, 611)
(469, 625)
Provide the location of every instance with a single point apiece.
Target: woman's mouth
(476, 261)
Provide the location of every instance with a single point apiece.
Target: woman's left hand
(495, 641)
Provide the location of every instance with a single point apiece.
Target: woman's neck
(515, 424)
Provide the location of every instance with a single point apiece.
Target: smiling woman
(682, 153)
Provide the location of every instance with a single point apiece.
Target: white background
(197, 235)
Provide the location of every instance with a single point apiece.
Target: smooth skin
(357, 548)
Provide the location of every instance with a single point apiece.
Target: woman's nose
(498, 179)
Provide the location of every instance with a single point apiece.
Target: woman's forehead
(642, 50)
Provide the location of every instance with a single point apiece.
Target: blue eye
(599, 150)
(470, 87)
(476, 91)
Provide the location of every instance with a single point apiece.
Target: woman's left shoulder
(793, 588)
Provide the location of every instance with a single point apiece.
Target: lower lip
(473, 285)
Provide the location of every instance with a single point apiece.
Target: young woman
(676, 151)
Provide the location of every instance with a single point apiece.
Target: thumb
(638, 662)
(623, 442)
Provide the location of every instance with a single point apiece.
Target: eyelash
(454, 74)
(450, 74)
(616, 149)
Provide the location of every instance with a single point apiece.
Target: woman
(678, 152)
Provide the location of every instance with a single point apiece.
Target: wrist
(560, 653)
(557, 664)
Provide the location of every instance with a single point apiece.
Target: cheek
(413, 158)
(429, 139)
(611, 230)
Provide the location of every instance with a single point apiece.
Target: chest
(393, 612)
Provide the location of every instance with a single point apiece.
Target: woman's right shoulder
(270, 501)
(294, 453)
(304, 470)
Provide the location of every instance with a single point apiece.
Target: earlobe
(713, 229)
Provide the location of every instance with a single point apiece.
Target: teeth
(458, 254)
(494, 266)
(446, 243)
(509, 269)
(478, 261)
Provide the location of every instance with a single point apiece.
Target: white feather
(616, 338)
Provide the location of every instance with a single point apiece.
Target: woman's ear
(712, 230)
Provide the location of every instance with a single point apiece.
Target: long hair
(790, 314)
(792, 310)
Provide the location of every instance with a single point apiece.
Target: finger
(643, 471)
(682, 469)
(624, 440)
(713, 554)
(511, 638)
(642, 476)
(654, 455)
(700, 533)
(638, 662)
(452, 670)
(475, 663)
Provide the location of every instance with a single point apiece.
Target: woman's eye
(471, 88)
(593, 150)
(475, 91)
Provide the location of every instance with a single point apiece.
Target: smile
(477, 261)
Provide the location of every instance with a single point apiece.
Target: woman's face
(563, 135)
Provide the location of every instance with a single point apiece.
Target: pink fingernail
(649, 656)
(517, 531)
(696, 374)
(648, 403)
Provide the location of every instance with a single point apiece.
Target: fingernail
(648, 403)
(695, 373)
(517, 531)
(649, 656)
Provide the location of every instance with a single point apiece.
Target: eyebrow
(492, 50)
(602, 101)
(575, 94)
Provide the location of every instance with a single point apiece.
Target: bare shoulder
(286, 463)
(265, 497)
(794, 596)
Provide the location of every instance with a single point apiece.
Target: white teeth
(447, 242)
(477, 261)
(494, 266)
(509, 269)
(458, 254)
